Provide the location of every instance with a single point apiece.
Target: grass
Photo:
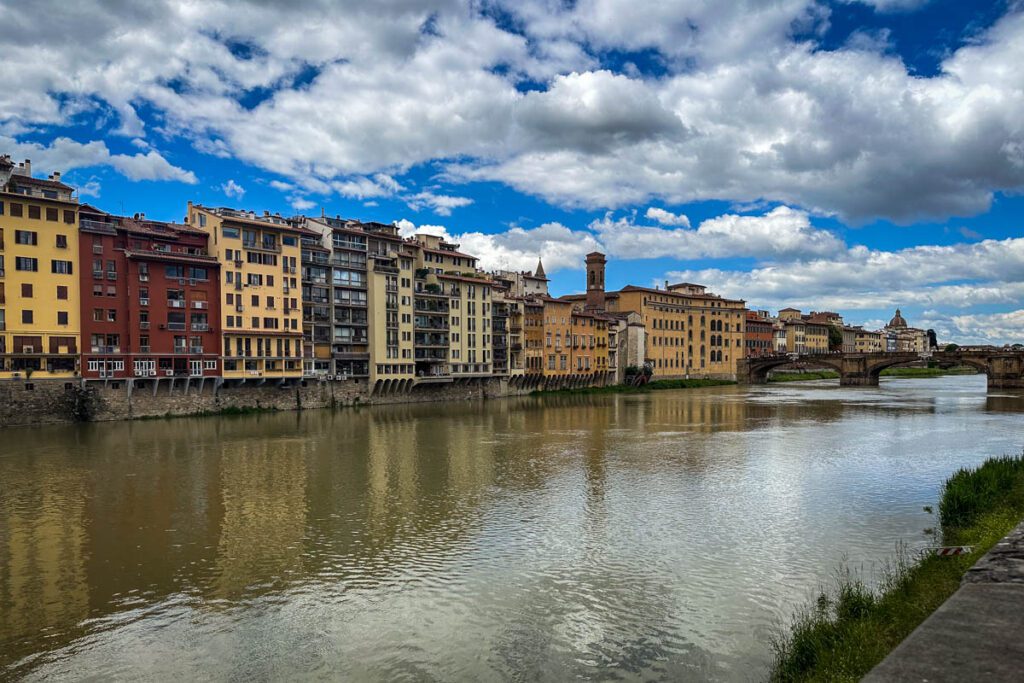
(656, 385)
(803, 376)
(851, 627)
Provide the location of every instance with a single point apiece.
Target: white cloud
(232, 189)
(380, 185)
(301, 203)
(441, 204)
(991, 328)
(90, 189)
(667, 217)
(64, 154)
(742, 112)
(781, 233)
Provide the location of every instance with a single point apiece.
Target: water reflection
(634, 536)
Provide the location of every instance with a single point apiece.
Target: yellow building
(40, 324)
(816, 337)
(589, 349)
(557, 337)
(869, 342)
(260, 310)
(689, 332)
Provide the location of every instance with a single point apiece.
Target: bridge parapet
(1004, 369)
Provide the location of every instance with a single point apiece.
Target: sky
(847, 155)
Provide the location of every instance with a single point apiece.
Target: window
(231, 233)
(26, 290)
(62, 241)
(16, 209)
(69, 217)
(97, 315)
(111, 315)
(34, 212)
(51, 214)
(289, 241)
(97, 290)
(198, 273)
(175, 271)
(26, 263)
(62, 317)
(202, 220)
(25, 237)
(61, 267)
(26, 317)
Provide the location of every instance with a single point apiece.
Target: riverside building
(40, 326)
(150, 296)
(261, 316)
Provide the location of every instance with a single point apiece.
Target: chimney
(595, 281)
(666, 285)
(28, 167)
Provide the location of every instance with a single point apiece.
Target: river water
(624, 537)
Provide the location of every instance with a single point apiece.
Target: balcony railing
(177, 327)
(143, 324)
(106, 349)
(111, 274)
(200, 327)
(200, 304)
(176, 303)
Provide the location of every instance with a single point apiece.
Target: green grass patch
(803, 376)
(656, 385)
(851, 627)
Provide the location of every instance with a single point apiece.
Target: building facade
(150, 300)
(261, 319)
(40, 324)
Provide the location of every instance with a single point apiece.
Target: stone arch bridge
(1004, 368)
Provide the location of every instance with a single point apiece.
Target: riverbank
(852, 627)
(888, 372)
(656, 385)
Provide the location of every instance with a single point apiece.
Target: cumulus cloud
(957, 276)
(441, 204)
(667, 217)
(232, 189)
(65, 154)
(783, 232)
(748, 105)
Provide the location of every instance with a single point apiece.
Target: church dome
(897, 320)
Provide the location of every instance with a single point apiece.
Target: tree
(835, 338)
(950, 348)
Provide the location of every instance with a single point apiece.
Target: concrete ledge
(976, 634)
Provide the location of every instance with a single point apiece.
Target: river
(614, 537)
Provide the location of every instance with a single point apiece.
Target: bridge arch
(758, 368)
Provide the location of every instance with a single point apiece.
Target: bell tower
(595, 281)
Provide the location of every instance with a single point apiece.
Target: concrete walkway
(976, 635)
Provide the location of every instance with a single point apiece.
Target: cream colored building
(261, 315)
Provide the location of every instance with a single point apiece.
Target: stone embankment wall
(58, 401)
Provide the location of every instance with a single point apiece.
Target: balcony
(351, 340)
(181, 349)
(200, 327)
(96, 248)
(175, 303)
(143, 302)
(176, 327)
(111, 274)
(143, 324)
(238, 263)
(195, 349)
(200, 304)
(97, 274)
(106, 349)
(145, 349)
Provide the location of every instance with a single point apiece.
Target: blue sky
(851, 155)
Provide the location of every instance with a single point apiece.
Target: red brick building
(150, 299)
(757, 335)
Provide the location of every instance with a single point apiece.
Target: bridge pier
(855, 371)
(1006, 372)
